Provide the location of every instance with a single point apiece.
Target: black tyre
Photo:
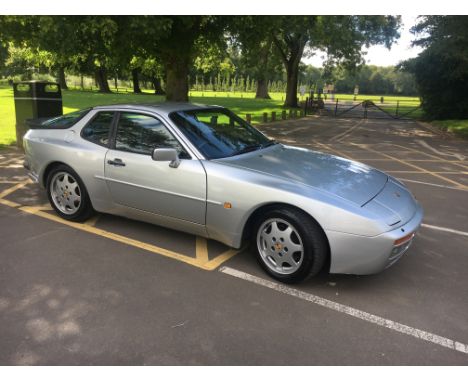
(290, 245)
(67, 194)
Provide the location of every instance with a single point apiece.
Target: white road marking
(445, 229)
(427, 146)
(341, 308)
(432, 184)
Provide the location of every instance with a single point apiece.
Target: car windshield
(218, 133)
(65, 121)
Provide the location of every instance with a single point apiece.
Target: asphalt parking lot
(114, 291)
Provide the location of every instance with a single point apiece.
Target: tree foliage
(237, 52)
(441, 70)
(342, 37)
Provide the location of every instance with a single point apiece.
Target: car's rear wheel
(290, 245)
(67, 194)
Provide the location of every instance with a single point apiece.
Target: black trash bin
(35, 99)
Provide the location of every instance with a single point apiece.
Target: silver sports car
(203, 170)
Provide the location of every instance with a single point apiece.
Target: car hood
(344, 178)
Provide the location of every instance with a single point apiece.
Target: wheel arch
(248, 226)
(49, 168)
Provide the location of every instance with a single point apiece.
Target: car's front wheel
(290, 245)
(67, 194)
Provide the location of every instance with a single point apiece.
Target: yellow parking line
(435, 172)
(327, 147)
(10, 190)
(113, 236)
(432, 156)
(46, 207)
(92, 221)
(404, 172)
(218, 260)
(201, 250)
(201, 261)
(412, 165)
(348, 131)
(409, 160)
(9, 203)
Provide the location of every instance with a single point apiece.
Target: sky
(379, 55)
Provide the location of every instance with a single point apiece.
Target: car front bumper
(361, 255)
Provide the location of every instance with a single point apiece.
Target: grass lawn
(239, 103)
(456, 126)
(7, 117)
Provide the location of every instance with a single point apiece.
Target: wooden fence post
(283, 115)
(248, 118)
(273, 116)
(265, 117)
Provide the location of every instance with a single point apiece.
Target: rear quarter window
(99, 128)
(63, 122)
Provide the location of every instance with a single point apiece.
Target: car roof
(162, 107)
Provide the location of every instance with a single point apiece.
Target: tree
(45, 33)
(254, 37)
(153, 70)
(135, 47)
(212, 60)
(441, 70)
(342, 37)
(90, 41)
(178, 46)
(24, 61)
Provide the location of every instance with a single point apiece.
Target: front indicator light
(404, 239)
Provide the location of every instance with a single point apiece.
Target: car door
(135, 180)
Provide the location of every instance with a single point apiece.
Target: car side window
(98, 129)
(141, 134)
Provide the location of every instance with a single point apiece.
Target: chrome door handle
(116, 162)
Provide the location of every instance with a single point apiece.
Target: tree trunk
(262, 89)
(136, 81)
(101, 80)
(158, 90)
(177, 70)
(61, 78)
(291, 59)
(292, 74)
(82, 82)
(263, 70)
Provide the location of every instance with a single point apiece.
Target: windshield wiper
(247, 149)
(270, 143)
(254, 147)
